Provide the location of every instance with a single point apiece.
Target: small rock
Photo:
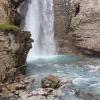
(87, 95)
(20, 87)
(50, 82)
(17, 93)
(29, 80)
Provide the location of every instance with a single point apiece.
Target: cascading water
(39, 21)
(79, 75)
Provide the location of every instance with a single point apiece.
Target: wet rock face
(14, 47)
(50, 82)
(77, 26)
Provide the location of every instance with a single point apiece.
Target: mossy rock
(8, 27)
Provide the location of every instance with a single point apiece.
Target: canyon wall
(62, 21)
(77, 26)
(12, 11)
(14, 43)
(14, 47)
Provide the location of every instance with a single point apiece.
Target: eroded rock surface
(86, 36)
(51, 82)
(77, 26)
(14, 47)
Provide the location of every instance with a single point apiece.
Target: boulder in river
(51, 82)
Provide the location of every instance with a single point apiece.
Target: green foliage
(8, 27)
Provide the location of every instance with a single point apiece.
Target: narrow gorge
(49, 50)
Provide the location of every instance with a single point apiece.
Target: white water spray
(39, 21)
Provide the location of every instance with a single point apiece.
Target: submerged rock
(87, 95)
(50, 82)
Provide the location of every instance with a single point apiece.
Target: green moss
(7, 27)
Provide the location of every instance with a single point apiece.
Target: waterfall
(39, 21)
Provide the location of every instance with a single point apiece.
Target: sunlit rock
(51, 82)
(14, 47)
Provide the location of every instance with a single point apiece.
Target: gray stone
(50, 82)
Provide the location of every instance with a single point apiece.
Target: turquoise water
(84, 74)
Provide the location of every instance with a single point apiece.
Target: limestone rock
(14, 47)
(10, 75)
(20, 87)
(50, 82)
(63, 16)
(77, 26)
(13, 97)
(2, 11)
(86, 35)
(9, 11)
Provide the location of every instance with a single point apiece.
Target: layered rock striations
(14, 43)
(77, 26)
(62, 22)
(86, 36)
(14, 47)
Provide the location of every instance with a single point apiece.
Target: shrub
(8, 27)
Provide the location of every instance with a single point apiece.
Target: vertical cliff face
(77, 26)
(86, 36)
(14, 43)
(62, 22)
(14, 47)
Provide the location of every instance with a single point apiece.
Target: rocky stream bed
(62, 78)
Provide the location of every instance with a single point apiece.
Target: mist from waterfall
(40, 22)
